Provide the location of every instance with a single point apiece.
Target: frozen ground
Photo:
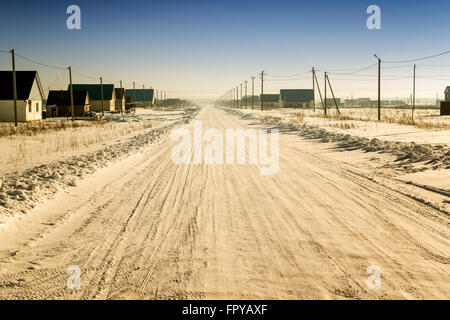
(431, 129)
(146, 228)
(55, 159)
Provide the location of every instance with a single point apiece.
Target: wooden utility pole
(318, 89)
(332, 93)
(314, 89)
(143, 92)
(134, 97)
(253, 92)
(325, 95)
(71, 93)
(414, 93)
(14, 86)
(101, 92)
(121, 98)
(379, 87)
(246, 97)
(240, 104)
(262, 90)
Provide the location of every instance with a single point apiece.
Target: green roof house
(95, 95)
(297, 98)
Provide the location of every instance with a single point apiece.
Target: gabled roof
(297, 95)
(24, 84)
(140, 94)
(271, 97)
(119, 93)
(61, 98)
(94, 90)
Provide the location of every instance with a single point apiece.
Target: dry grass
(38, 142)
(34, 128)
(299, 117)
(424, 121)
(273, 118)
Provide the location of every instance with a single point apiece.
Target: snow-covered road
(146, 228)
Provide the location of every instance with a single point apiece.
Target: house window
(29, 106)
(37, 106)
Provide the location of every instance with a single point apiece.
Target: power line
(40, 63)
(419, 59)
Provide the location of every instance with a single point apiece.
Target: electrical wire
(419, 59)
(39, 63)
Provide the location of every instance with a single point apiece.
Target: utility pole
(101, 92)
(121, 98)
(262, 90)
(253, 92)
(414, 94)
(379, 87)
(318, 89)
(314, 89)
(143, 92)
(246, 97)
(134, 96)
(325, 95)
(332, 93)
(14, 86)
(71, 93)
(241, 97)
(237, 97)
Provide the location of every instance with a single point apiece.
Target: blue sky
(203, 48)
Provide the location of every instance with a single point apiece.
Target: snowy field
(396, 125)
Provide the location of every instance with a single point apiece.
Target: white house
(29, 96)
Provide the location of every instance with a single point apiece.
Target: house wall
(117, 104)
(297, 104)
(270, 105)
(108, 105)
(23, 111)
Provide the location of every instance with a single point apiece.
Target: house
(95, 96)
(140, 96)
(331, 103)
(29, 96)
(297, 98)
(120, 99)
(247, 100)
(59, 103)
(270, 100)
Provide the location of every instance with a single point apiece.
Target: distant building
(445, 105)
(447, 94)
(247, 101)
(297, 98)
(270, 100)
(59, 103)
(120, 99)
(140, 96)
(331, 103)
(172, 102)
(95, 96)
(29, 96)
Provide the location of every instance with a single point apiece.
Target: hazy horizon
(202, 49)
